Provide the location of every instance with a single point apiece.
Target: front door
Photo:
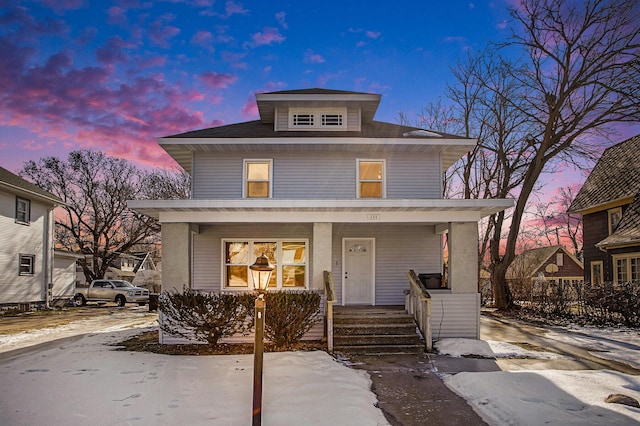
(358, 277)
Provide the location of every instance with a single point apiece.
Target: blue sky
(116, 75)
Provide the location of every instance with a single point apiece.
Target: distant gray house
(319, 185)
(26, 232)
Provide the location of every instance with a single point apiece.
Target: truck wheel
(120, 300)
(79, 300)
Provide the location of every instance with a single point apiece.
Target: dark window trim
(27, 213)
(33, 262)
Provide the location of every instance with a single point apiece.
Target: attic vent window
(332, 119)
(303, 119)
(315, 118)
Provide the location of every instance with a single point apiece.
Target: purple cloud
(268, 36)
(280, 16)
(113, 51)
(160, 33)
(218, 80)
(312, 58)
(372, 34)
(232, 8)
(60, 6)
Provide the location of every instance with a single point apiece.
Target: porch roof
(361, 210)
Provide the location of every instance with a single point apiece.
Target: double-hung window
(371, 179)
(26, 264)
(615, 216)
(626, 267)
(289, 257)
(597, 271)
(258, 178)
(23, 210)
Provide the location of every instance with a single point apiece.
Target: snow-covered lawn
(544, 397)
(87, 382)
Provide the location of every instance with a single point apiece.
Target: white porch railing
(418, 304)
(330, 299)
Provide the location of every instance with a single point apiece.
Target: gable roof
(628, 230)
(614, 177)
(15, 183)
(527, 263)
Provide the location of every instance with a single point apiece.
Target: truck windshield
(122, 284)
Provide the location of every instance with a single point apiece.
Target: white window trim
(628, 257)
(279, 264)
(244, 176)
(384, 176)
(592, 264)
(317, 118)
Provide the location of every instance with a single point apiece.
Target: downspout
(48, 267)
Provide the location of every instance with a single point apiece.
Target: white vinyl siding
(208, 255)
(317, 176)
(398, 249)
(18, 239)
(455, 315)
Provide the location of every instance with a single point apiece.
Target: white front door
(358, 281)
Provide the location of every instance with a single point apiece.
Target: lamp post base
(258, 349)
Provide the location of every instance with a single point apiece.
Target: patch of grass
(148, 342)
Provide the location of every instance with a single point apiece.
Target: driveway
(550, 339)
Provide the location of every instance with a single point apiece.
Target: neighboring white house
(64, 277)
(318, 185)
(26, 233)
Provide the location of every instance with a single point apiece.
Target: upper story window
(615, 216)
(26, 264)
(371, 179)
(258, 178)
(317, 118)
(23, 210)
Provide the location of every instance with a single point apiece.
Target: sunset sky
(116, 75)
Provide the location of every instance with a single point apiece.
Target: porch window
(258, 178)
(371, 179)
(288, 256)
(26, 264)
(23, 211)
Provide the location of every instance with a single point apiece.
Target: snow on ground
(87, 382)
(546, 397)
(489, 349)
(542, 397)
(610, 343)
(120, 320)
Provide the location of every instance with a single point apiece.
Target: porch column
(463, 257)
(322, 256)
(176, 255)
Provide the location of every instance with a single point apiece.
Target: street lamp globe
(261, 272)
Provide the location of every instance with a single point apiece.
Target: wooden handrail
(330, 299)
(418, 304)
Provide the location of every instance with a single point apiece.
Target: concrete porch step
(380, 349)
(375, 330)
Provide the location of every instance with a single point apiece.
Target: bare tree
(580, 76)
(95, 219)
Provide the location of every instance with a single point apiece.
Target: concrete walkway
(411, 392)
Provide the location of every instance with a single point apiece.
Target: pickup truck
(118, 291)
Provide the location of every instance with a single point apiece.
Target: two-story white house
(318, 185)
(26, 233)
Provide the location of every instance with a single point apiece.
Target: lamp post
(261, 273)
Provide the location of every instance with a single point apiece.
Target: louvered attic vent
(317, 119)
